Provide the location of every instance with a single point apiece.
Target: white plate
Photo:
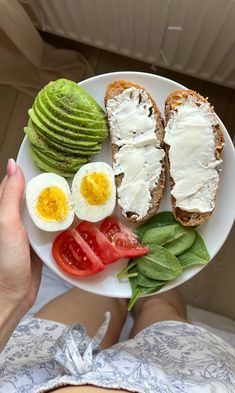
(214, 232)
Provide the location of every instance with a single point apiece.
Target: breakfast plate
(214, 232)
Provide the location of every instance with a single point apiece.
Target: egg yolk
(52, 204)
(95, 188)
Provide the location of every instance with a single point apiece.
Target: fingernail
(11, 166)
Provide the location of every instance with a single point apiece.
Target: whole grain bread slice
(173, 101)
(115, 88)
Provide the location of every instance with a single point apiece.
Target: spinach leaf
(143, 281)
(133, 280)
(173, 248)
(159, 264)
(175, 238)
(138, 290)
(159, 220)
(197, 254)
(146, 282)
(128, 271)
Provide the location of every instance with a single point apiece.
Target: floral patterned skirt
(166, 357)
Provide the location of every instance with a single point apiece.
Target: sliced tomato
(98, 242)
(123, 238)
(74, 256)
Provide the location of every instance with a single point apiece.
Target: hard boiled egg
(48, 199)
(94, 191)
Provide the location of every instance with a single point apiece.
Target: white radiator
(196, 37)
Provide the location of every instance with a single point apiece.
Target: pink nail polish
(11, 166)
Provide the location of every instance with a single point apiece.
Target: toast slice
(113, 90)
(173, 102)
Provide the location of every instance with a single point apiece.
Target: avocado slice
(50, 123)
(62, 128)
(60, 165)
(78, 122)
(71, 111)
(66, 128)
(58, 137)
(48, 127)
(73, 96)
(40, 143)
(48, 168)
(68, 149)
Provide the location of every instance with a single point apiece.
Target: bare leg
(165, 306)
(77, 305)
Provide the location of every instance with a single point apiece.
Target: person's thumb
(13, 190)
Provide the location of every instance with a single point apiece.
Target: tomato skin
(123, 238)
(85, 250)
(74, 256)
(98, 242)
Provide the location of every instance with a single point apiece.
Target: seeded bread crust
(115, 88)
(173, 101)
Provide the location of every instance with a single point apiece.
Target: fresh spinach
(159, 264)
(146, 282)
(159, 220)
(127, 271)
(173, 248)
(197, 254)
(139, 290)
(175, 238)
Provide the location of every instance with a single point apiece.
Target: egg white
(83, 209)
(33, 190)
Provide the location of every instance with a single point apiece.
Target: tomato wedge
(123, 238)
(74, 256)
(98, 242)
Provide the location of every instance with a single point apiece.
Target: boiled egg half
(94, 191)
(48, 199)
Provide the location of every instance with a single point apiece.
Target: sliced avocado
(60, 165)
(63, 91)
(74, 114)
(48, 168)
(51, 126)
(64, 128)
(73, 96)
(40, 144)
(82, 121)
(71, 111)
(68, 149)
(75, 124)
(58, 137)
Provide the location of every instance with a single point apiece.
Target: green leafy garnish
(160, 220)
(140, 286)
(197, 254)
(159, 264)
(175, 238)
(173, 248)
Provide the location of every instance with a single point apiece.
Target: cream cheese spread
(189, 133)
(133, 125)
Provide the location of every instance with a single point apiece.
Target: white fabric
(167, 357)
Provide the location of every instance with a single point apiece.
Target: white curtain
(28, 63)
